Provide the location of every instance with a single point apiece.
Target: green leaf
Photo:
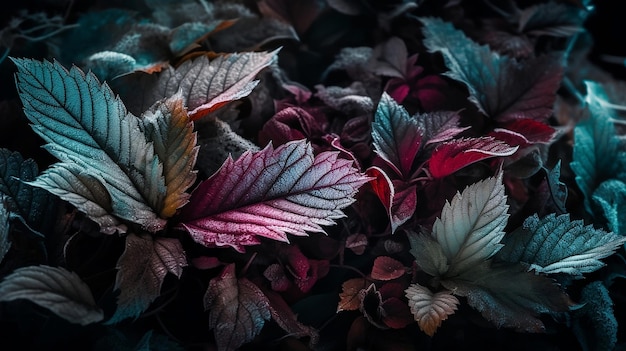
(509, 296)
(556, 244)
(32, 205)
(471, 225)
(84, 124)
(428, 254)
(610, 197)
(5, 244)
(55, 289)
(598, 154)
(594, 324)
(168, 127)
(141, 271)
(501, 87)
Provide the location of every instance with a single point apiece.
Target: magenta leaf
(271, 193)
(237, 309)
(524, 132)
(141, 271)
(404, 203)
(452, 156)
(397, 136)
(382, 187)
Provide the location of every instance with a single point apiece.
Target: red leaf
(238, 309)
(404, 203)
(270, 193)
(387, 268)
(454, 155)
(283, 315)
(534, 131)
(397, 314)
(292, 123)
(382, 186)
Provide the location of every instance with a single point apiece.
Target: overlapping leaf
(501, 87)
(556, 244)
(141, 271)
(452, 156)
(32, 205)
(598, 153)
(82, 122)
(5, 244)
(169, 129)
(471, 226)
(237, 309)
(206, 85)
(270, 193)
(396, 135)
(610, 197)
(54, 288)
(430, 309)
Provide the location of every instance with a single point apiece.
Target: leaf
(82, 121)
(382, 187)
(509, 296)
(205, 85)
(471, 226)
(237, 309)
(528, 130)
(553, 19)
(84, 191)
(270, 193)
(53, 288)
(454, 155)
(396, 136)
(501, 87)
(439, 126)
(558, 189)
(349, 298)
(430, 309)
(167, 126)
(32, 205)
(404, 203)
(610, 197)
(141, 271)
(387, 268)
(5, 243)
(594, 324)
(284, 316)
(428, 254)
(597, 153)
(556, 244)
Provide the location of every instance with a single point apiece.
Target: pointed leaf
(84, 191)
(428, 253)
(5, 244)
(430, 309)
(440, 126)
(141, 271)
(237, 309)
(54, 288)
(270, 193)
(558, 189)
(501, 87)
(206, 85)
(382, 187)
(396, 135)
(82, 121)
(556, 244)
(387, 268)
(349, 298)
(610, 197)
(471, 226)
(404, 203)
(168, 127)
(509, 296)
(284, 316)
(595, 324)
(552, 18)
(598, 154)
(454, 155)
(31, 204)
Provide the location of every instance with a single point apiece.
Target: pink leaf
(404, 203)
(238, 309)
(270, 193)
(454, 155)
(534, 131)
(387, 268)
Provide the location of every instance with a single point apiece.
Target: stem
(245, 268)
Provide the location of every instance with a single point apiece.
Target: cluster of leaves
(429, 168)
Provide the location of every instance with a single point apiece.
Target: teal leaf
(428, 254)
(594, 324)
(5, 244)
(141, 271)
(610, 197)
(396, 135)
(168, 127)
(32, 205)
(471, 226)
(152, 341)
(501, 87)
(84, 123)
(556, 244)
(557, 189)
(598, 153)
(54, 288)
(509, 296)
